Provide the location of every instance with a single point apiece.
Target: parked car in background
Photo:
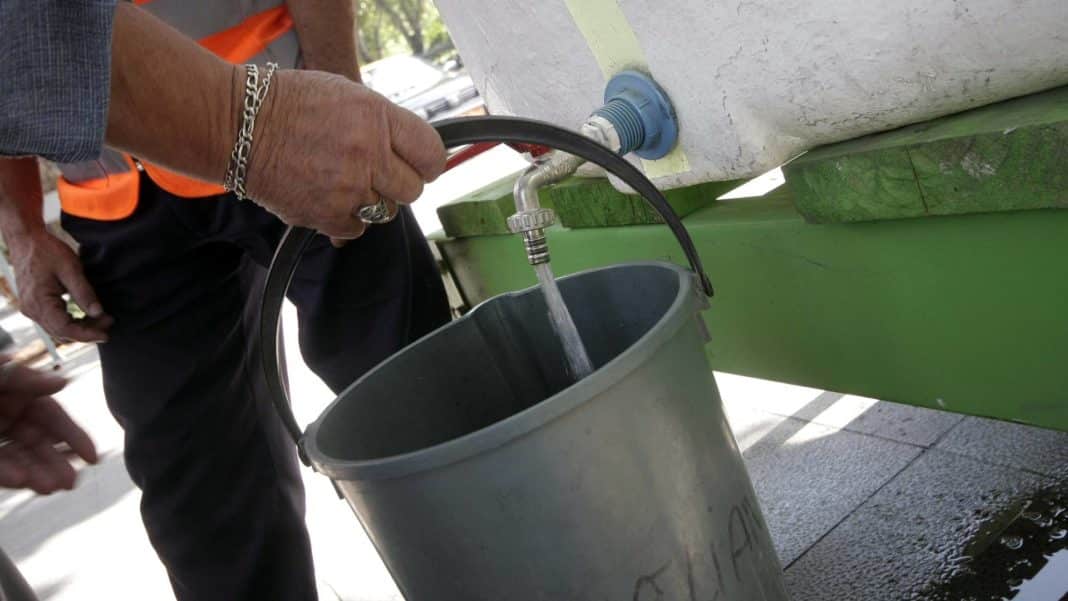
(423, 88)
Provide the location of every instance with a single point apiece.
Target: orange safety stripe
(115, 197)
(109, 198)
(234, 45)
(181, 185)
(240, 43)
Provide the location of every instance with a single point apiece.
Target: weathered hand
(45, 269)
(32, 426)
(326, 146)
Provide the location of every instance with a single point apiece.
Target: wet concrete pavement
(865, 499)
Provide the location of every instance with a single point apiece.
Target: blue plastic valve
(642, 115)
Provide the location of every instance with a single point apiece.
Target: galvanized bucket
(482, 472)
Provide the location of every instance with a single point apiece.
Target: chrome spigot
(531, 218)
(636, 117)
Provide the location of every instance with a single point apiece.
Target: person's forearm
(172, 102)
(323, 146)
(327, 33)
(20, 198)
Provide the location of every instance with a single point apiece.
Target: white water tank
(755, 82)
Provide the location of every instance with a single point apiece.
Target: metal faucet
(531, 218)
(636, 117)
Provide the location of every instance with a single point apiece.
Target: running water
(574, 350)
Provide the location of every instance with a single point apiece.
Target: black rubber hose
(454, 132)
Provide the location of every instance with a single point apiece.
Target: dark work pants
(222, 499)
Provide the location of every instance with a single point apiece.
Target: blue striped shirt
(54, 77)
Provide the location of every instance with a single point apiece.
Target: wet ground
(865, 500)
(1022, 554)
(870, 500)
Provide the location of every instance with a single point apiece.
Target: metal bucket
(481, 472)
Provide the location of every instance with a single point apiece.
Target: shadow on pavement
(34, 521)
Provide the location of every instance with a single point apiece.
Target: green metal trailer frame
(939, 276)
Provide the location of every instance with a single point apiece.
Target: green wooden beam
(963, 313)
(483, 212)
(1007, 156)
(579, 202)
(594, 202)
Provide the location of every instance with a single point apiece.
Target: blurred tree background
(389, 27)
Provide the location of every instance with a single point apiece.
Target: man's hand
(323, 145)
(33, 430)
(45, 269)
(326, 146)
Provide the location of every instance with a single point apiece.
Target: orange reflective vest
(238, 31)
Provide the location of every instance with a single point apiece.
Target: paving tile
(908, 534)
(902, 423)
(749, 425)
(809, 477)
(766, 395)
(84, 544)
(1004, 443)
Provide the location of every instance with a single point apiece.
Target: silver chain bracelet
(255, 92)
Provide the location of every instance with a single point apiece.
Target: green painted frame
(965, 313)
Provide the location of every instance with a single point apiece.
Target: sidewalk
(865, 499)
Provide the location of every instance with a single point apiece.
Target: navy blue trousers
(222, 498)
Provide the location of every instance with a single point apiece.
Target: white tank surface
(755, 82)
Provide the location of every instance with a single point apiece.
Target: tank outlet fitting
(641, 114)
(537, 247)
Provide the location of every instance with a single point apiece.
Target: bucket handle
(453, 132)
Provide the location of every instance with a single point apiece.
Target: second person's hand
(46, 269)
(37, 438)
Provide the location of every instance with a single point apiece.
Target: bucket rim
(520, 424)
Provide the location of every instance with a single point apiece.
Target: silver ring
(377, 213)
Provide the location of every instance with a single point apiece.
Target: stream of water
(577, 359)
